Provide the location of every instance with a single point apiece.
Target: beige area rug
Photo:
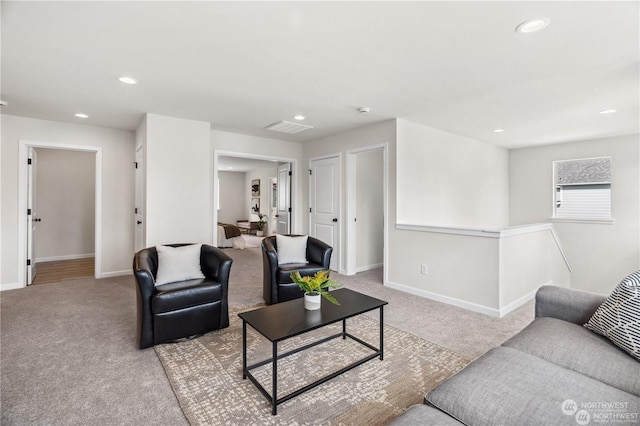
(206, 376)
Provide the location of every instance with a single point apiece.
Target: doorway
(367, 209)
(27, 223)
(235, 201)
(61, 194)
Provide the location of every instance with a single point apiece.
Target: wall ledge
(493, 233)
(478, 232)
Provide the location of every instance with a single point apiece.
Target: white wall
(448, 180)
(527, 261)
(601, 254)
(65, 201)
(179, 186)
(369, 209)
(462, 270)
(232, 188)
(117, 203)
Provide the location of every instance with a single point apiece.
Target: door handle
(139, 222)
(335, 219)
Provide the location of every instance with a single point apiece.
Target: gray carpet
(68, 357)
(68, 354)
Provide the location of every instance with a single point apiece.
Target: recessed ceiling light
(299, 117)
(128, 80)
(81, 115)
(608, 111)
(498, 131)
(532, 25)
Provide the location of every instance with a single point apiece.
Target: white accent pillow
(291, 249)
(238, 242)
(178, 263)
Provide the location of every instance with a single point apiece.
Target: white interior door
(324, 196)
(31, 216)
(284, 199)
(273, 205)
(139, 207)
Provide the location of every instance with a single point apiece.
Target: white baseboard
(368, 267)
(13, 286)
(521, 300)
(66, 257)
(492, 312)
(116, 273)
(10, 286)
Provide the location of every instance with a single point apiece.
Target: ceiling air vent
(288, 127)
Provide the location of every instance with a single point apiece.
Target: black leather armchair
(181, 309)
(277, 285)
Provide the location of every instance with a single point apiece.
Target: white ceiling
(455, 66)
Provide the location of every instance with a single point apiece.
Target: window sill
(589, 221)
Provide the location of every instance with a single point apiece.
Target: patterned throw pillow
(618, 318)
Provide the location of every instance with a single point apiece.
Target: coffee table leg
(381, 333)
(244, 349)
(274, 395)
(344, 329)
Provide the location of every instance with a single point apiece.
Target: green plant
(261, 221)
(319, 283)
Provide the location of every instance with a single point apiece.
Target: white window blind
(583, 189)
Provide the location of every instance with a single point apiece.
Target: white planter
(312, 301)
(259, 233)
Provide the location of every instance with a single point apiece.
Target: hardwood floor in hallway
(50, 272)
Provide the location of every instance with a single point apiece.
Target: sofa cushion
(185, 294)
(305, 269)
(178, 263)
(421, 414)
(509, 387)
(618, 318)
(576, 348)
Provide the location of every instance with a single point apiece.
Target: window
(582, 189)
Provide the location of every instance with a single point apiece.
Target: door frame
(139, 191)
(351, 246)
(340, 213)
(272, 218)
(23, 171)
(283, 187)
(223, 153)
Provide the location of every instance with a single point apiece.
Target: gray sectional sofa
(554, 372)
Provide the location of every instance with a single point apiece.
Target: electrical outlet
(423, 269)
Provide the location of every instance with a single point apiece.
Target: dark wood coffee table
(289, 319)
